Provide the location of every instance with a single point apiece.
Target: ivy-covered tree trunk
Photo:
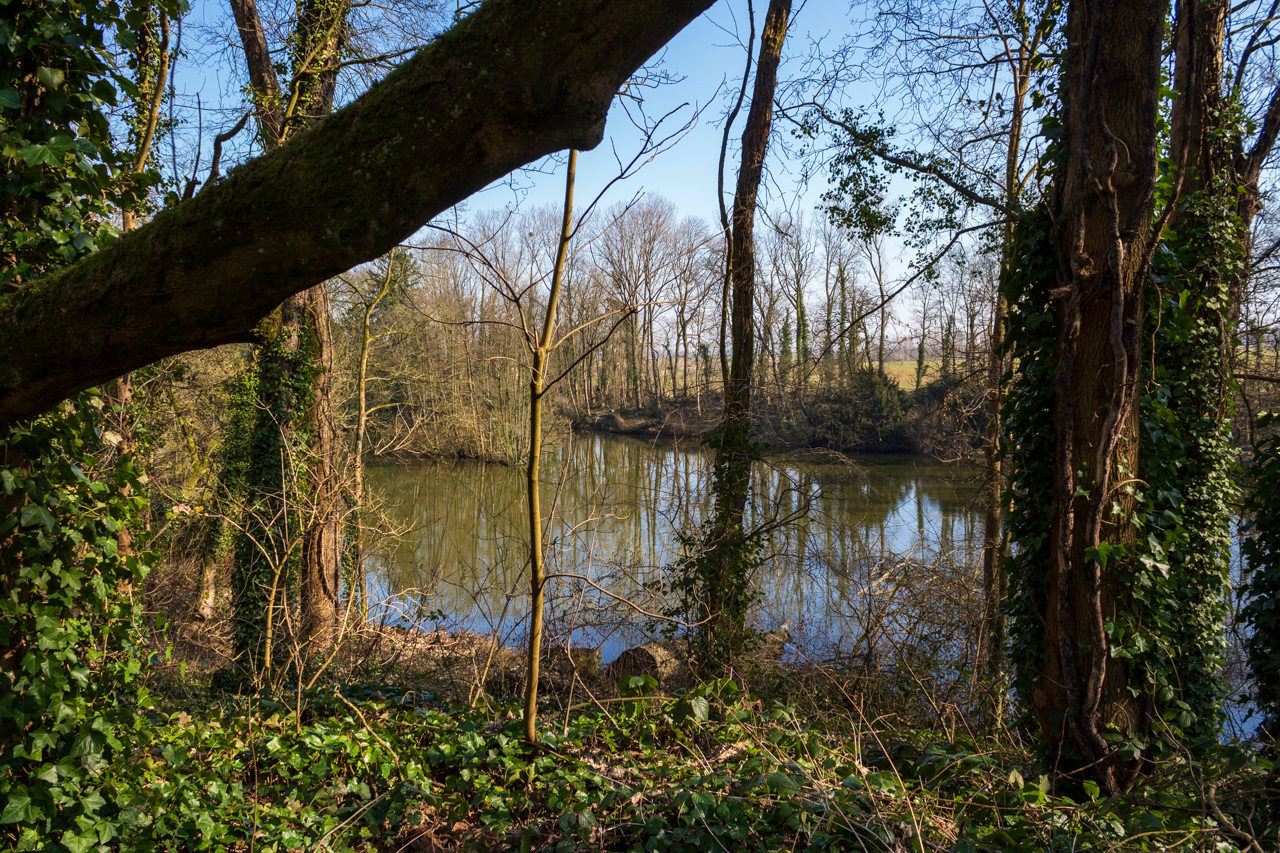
(1127, 667)
(726, 561)
(1187, 457)
(995, 540)
(307, 450)
(268, 545)
(1086, 698)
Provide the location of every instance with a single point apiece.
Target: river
(865, 552)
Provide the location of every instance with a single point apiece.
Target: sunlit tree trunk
(309, 96)
(321, 566)
(537, 388)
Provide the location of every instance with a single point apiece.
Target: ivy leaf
(32, 515)
(18, 808)
(782, 783)
(10, 100)
(38, 155)
(50, 78)
(104, 91)
(80, 842)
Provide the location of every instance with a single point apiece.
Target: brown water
(861, 545)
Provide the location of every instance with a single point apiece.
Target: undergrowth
(376, 769)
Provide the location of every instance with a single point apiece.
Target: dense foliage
(69, 696)
(69, 632)
(63, 174)
(1029, 444)
(703, 771)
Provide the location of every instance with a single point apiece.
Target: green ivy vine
(268, 471)
(1188, 499)
(1170, 628)
(713, 585)
(1028, 446)
(69, 625)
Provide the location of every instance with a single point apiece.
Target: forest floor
(392, 748)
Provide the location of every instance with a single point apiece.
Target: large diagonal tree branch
(512, 82)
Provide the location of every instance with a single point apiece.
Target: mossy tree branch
(512, 82)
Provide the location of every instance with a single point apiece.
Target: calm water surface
(858, 545)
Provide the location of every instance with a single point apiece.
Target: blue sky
(707, 59)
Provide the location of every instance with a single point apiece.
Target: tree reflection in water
(874, 558)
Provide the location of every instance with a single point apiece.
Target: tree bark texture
(513, 81)
(321, 568)
(755, 144)
(1197, 80)
(1105, 198)
(262, 76)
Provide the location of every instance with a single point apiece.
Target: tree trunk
(266, 547)
(993, 536)
(320, 573)
(1111, 92)
(314, 44)
(755, 143)
(723, 634)
(1193, 454)
(538, 386)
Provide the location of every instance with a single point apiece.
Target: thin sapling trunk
(537, 571)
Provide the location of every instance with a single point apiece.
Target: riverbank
(870, 413)
(673, 424)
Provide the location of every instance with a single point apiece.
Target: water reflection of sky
(872, 525)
